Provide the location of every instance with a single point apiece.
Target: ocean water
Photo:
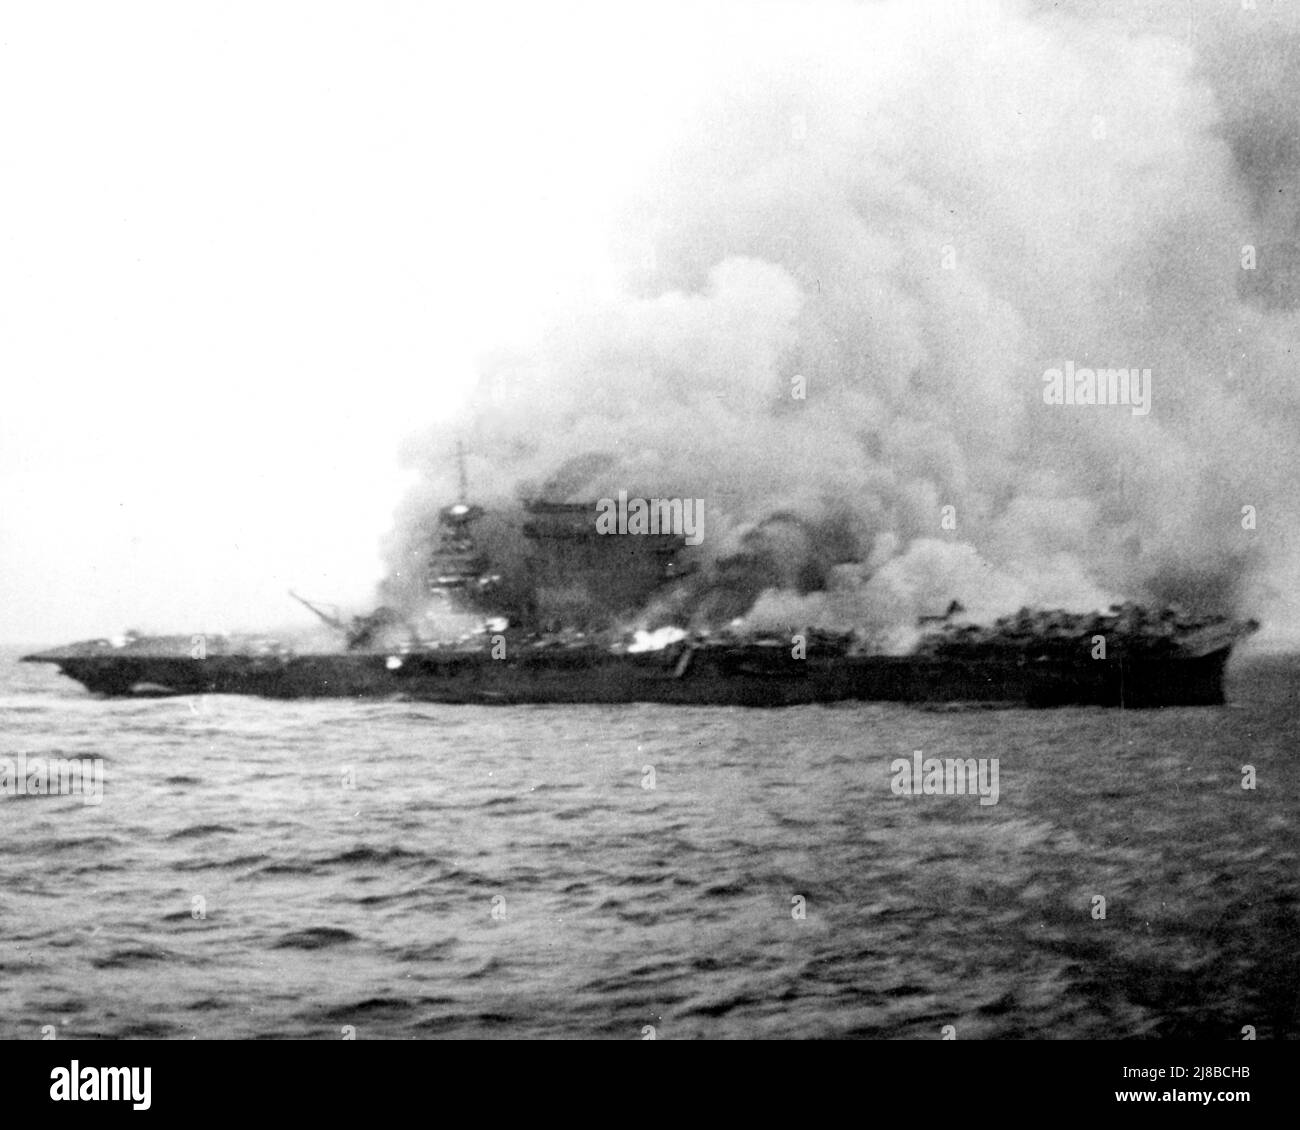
(390, 870)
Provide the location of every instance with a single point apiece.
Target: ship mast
(456, 564)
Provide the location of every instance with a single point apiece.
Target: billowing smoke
(843, 292)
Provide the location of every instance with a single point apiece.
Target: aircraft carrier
(542, 651)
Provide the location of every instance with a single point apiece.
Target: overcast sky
(249, 249)
(245, 249)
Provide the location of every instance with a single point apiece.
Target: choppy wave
(302, 870)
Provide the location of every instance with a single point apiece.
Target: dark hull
(718, 678)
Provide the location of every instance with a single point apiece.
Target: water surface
(270, 869)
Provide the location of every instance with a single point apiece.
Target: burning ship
(554, 641)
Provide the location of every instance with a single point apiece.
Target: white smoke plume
(913, 211)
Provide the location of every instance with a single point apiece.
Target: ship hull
(723, 678)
